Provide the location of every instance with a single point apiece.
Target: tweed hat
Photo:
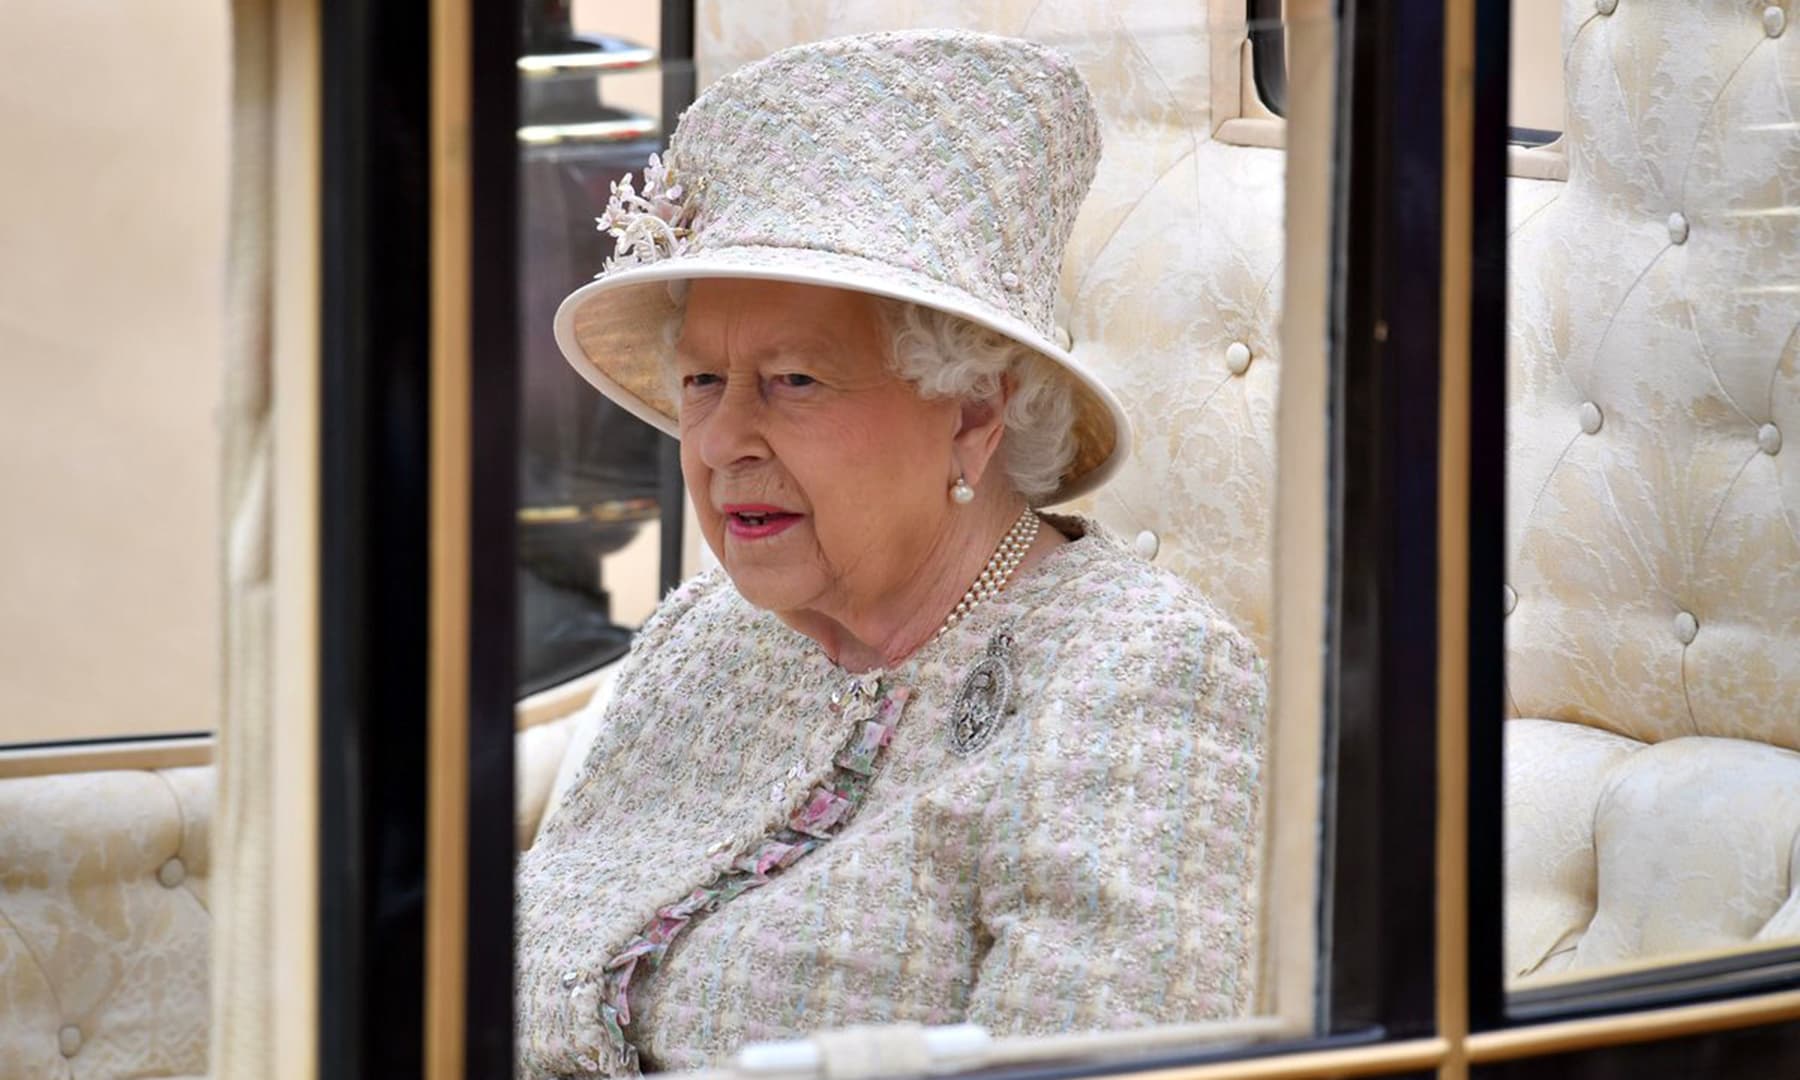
(943, 168)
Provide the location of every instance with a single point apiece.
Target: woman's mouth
(757, 522)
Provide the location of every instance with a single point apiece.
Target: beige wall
(1537, 75)
(112, 204)
(634, 20)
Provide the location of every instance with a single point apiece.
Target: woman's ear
(982, 424)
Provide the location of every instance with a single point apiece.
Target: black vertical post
(495, 45)
(1379, 912)
(1487, 516)
(375, 537)
(677, 52)
(373, 589)
(670, 493)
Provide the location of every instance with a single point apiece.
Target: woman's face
(819, 477)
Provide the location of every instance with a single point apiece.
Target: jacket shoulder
(699, 600)
(1127, 641)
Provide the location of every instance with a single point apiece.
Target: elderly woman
(916, 752)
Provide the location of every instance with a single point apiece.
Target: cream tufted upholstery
(104, 925)
(1653, 791)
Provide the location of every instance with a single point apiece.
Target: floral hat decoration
(942, 168)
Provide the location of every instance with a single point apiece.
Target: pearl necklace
(998, 571)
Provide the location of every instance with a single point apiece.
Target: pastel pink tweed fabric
(1093, 867)
(963, 157)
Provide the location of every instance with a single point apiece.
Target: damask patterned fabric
(1093, 867)
(1619, 851)
(1653, 591)
(104, 924)
(1654, 526)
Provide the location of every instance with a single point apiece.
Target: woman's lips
(757, 522)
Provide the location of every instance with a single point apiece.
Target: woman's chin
(766, 584)
(769, 596)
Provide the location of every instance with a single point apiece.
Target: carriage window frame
(1355, 1008)
(385, 806)
(1382, 1009)
(56, 757)
(1739, 978)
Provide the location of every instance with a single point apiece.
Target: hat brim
(612, 330)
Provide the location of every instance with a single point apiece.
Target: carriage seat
(1652, 600)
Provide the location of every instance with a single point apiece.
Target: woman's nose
(732, 432)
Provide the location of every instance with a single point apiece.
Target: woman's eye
(700, 379)
(794, 379)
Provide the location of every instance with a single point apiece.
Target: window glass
(1652, 749)
(591, 516)
(112, 332)
(781, 813)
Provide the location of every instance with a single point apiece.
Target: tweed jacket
(1093, 866)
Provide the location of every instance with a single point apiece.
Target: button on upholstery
(171, 873)
(1774, 20)
(1678, 228)
(1591, 417)
(1769, 438)
(1606, 7)
(68, 1040)
(1508, 599)
(1148, 544)
(1237, 357)
(1686, 627)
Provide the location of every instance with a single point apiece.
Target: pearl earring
(961, 493)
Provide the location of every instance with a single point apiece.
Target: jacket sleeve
(1119, 877)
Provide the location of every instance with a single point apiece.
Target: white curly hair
(945, 356)
(948, 357)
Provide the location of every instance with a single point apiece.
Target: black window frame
(1492, 1007)
(1377, 900)
(375, 474)
(1378, 888)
